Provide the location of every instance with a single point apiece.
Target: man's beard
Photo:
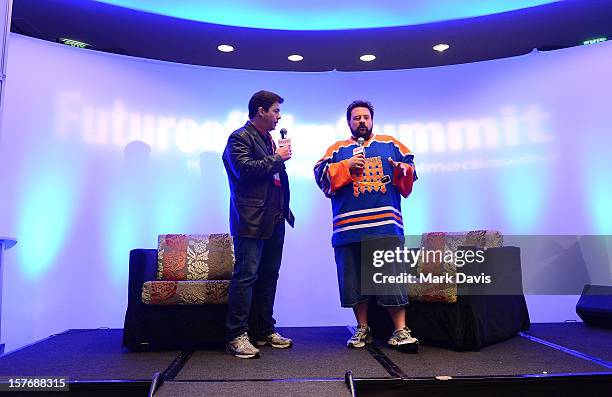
(365, 133)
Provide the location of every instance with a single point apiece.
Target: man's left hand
(402, 166)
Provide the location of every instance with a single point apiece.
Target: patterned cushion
(182, 257)
(447, 292)
(474, 238)
(185, 292)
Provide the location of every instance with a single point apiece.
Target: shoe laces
(360, 332)
(243, 340)
(402, 333)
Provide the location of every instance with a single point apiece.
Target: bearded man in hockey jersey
(365, 177)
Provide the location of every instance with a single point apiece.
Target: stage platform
(550, 359)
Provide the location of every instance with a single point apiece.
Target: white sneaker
(242, 347)
(403, 341)
(275, 340)
(361, 337)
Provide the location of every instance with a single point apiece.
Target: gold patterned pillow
(451, 241)
(211, 292)
(195, 257)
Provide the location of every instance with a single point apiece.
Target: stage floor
(549, 353)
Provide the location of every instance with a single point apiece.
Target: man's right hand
(284, 152)
(357, 162)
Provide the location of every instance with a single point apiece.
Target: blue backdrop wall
(101, 153)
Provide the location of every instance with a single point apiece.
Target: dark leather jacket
(250, 169)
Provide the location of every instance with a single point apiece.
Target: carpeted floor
(85, 355)
(318, 352)
(596, 342)
(516, 356)
(319, 359)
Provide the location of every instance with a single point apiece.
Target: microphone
(359, 149)
(284, 141)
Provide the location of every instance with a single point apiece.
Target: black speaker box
(595, 306)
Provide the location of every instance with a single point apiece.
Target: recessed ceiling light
(367, 57)
(225, 48)
(441, 47)
(295, 57)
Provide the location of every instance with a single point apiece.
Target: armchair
(177, 294)
(459, 315)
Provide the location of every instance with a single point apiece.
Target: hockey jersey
(366, 203)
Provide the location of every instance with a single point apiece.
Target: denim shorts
(348, 265)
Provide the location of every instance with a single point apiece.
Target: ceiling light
(367, 57)
(441, 47)
(225, 48)
(295, 57)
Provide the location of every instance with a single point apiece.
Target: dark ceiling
(139, 34)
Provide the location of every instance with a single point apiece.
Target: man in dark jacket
(259, 207)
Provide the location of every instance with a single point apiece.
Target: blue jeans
(253, 284)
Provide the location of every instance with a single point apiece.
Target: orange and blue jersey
(366, 203)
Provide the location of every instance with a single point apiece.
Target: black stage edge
(550, 359)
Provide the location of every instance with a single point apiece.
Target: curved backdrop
(101, 153)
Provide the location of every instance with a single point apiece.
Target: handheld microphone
(284, 141)
(359, 149)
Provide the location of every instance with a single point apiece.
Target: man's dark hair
(263, 99)
(359, 103)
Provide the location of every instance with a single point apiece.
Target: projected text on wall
(118, 124)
